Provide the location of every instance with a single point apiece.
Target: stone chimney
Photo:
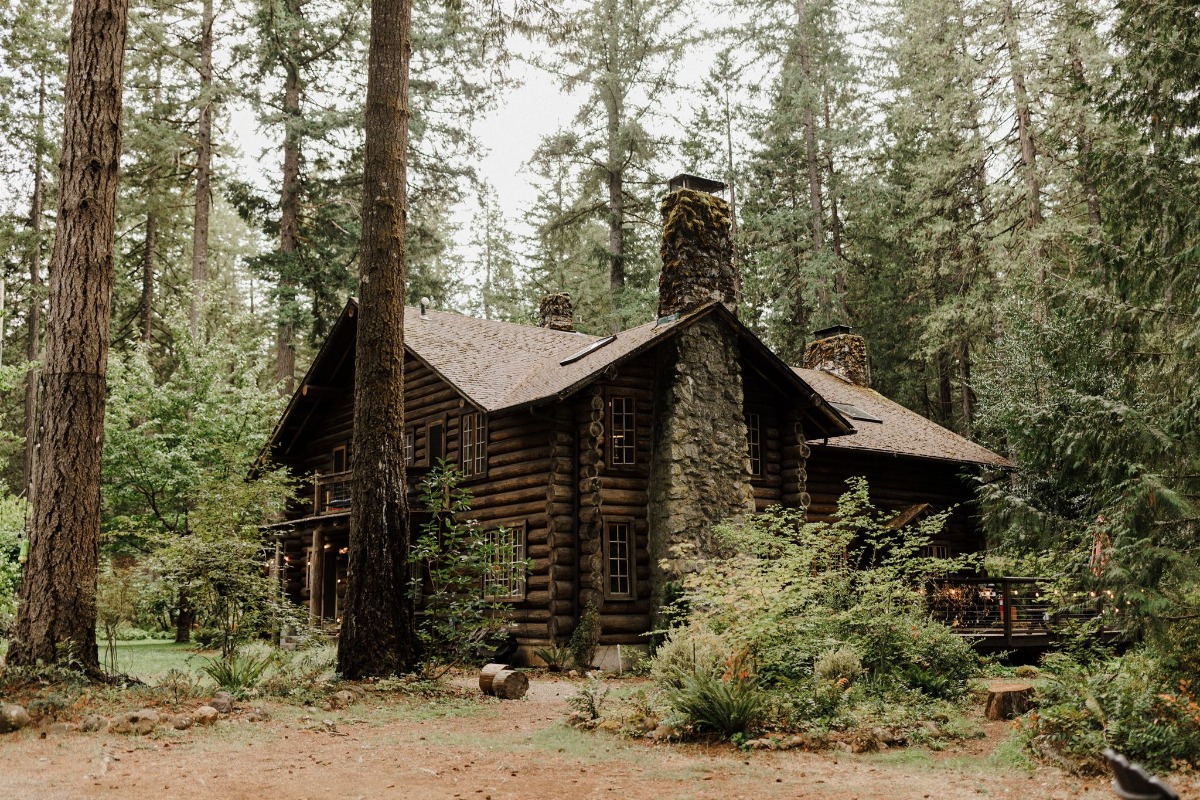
(841, 352)
(556, 313)
(697, 249)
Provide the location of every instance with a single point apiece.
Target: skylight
(591, 348)
(854, 412)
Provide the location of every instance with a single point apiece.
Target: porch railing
(1008, 612)
(331, 493)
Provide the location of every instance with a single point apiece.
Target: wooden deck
(1006, 613)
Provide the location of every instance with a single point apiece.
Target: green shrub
(556, 656)
(239, 671)
(690, 650)
(724, 705)
(585, 639)
(840, 665)
(589, 700)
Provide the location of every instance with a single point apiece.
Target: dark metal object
(1131, 782)
(685, 181)
(832, 330)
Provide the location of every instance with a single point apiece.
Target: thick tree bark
(33, 322)
(146, 301)
(203, 172)
(56, 614)
(289, 217)
(377, 636)
(812, 157)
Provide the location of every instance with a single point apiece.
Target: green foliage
(179, 685)
(590, 699)
(727, 705)
(842, 665)
(115, 605)
(1131, 704)
(12, 531)
(585, 639)
(689, 650)
(237, 672)
(556, 656)
(451, 558)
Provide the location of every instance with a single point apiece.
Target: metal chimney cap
(832, 330)
(686, 181)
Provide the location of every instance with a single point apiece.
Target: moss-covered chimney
(556, 313)
(841, 352)
(697, 249)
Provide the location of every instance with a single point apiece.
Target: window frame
(631, 431)
(344, 451)
(754, 441)
(473, 465)
(630, 558)
(503, 572)
(410, 447)
(439, 421)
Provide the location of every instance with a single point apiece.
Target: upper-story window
(435, 442)
(754, 441)
(341, 458)
(473, 436)
(622, 431)
(409, 447)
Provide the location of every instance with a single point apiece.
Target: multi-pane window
(754, 439)
(622, 432)
(409, 449)
(473, 435)
(505, 577)
(618, 559)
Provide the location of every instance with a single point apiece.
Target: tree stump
(510, 684)
(488, 674)
(1008, 700)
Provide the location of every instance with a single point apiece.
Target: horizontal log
(624, 623)
(623, 639)
(498, 473)
(624, 497)
(530, 513)
(515, 451)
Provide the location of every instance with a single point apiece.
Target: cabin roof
(897, 430)
(500, 366)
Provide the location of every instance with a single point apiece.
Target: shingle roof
(899, 431)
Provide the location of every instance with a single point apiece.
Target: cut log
(1008, 700)
(510, 684)
(488, 674)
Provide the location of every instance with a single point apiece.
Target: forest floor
(466, 747)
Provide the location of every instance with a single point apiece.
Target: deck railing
(1002, 612)
(331, 493)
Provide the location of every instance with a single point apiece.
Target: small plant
(589, 700)
(585, 639)
(1027, 671)
(179, 685)
(556, 656)
(239, 671)
(301, 676)
(687, 651)
(842, 666)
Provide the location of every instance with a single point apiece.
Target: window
(754, 440)
(473, 435)
(935, 550)
(409, 436)
(435, 442)
(619, 559)
(622, 432)
(341, 458)
(505, 578)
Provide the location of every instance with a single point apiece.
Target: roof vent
(425, 304)
(591, 348)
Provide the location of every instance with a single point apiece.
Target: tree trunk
(185, 617)
(146, 301)
(56, 614)
(1033, 189)
(33, 323)
(378, 626)
(203, 172)
(289, 219)
(812, 157)
(967, 393)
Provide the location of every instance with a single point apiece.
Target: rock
(610, 725)
(222, 702)
(931, 728)
(342, 699)
(258, 714)
(63, 727)
(93, 723)
(864, 742)
(573, 673)
(205, 715)
(180, 722)
(13, 718)
(137, 723)
(664, 732)
(758, 744)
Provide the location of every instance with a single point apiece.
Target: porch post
(316, 579)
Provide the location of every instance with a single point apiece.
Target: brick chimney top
(556, 312)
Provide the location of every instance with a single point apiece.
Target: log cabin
(594, 459)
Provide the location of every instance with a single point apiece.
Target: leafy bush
(556, 656)
(585, 639)
(690, 650)
(726, 705)
(1131, 704)
(589, 700)
(842, 665)
(302, 675)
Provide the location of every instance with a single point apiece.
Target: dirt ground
(490, 751)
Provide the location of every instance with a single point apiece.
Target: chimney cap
(686, 181)
(832, 330)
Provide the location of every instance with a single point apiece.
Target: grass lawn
(150, 659)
